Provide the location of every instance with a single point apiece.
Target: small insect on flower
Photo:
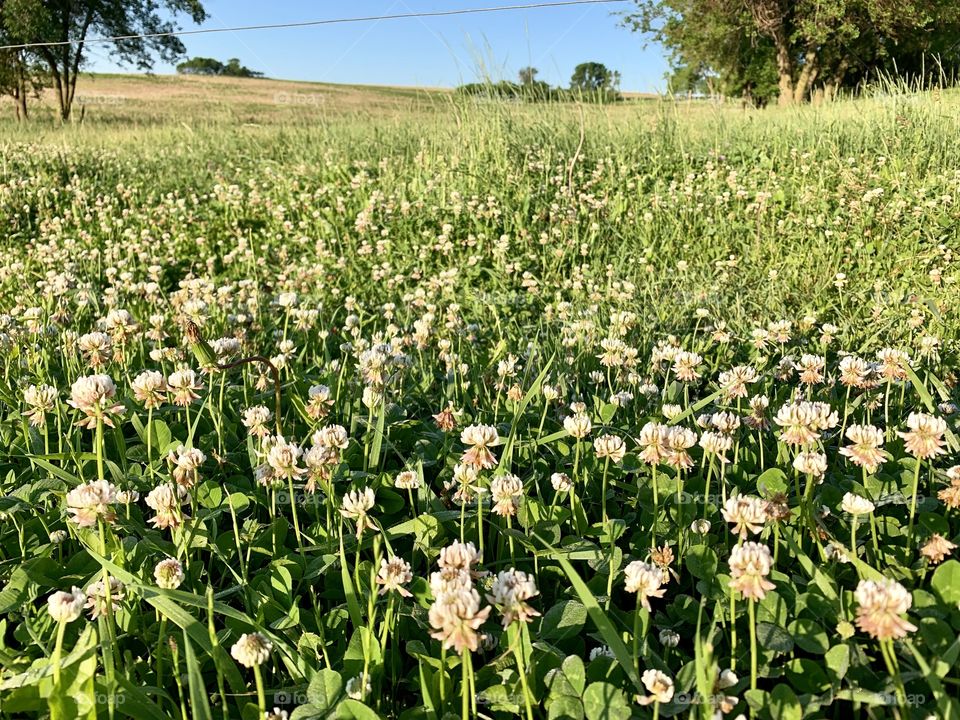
(168, 574)
(561, 482)
(251, 650)
(881, 604)
(65, 607)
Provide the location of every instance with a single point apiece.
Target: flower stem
(261, 695)
(521, 670)
(913, 505)
(465, 685)
(55, 660)
(753, 643)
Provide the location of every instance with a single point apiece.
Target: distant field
(366, 403)
(142, 99)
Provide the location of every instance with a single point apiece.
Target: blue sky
(422, 51)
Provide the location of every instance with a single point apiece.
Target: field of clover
(359, 422)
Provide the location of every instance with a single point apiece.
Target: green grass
(412, 252)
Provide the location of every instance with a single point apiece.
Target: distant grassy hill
(157, 98)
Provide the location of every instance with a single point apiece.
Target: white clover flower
(856, 505)
(168, 574)
(659, 685)
(91, 501)
(251, 649)
(610, 447)
(65, 607)
(510, 591)
(644, 579)
(578, 425)
(356, 506)
(394, 573)
(561, 482)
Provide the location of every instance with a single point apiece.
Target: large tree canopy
(794, 49)
(60, 21)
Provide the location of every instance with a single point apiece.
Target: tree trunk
(807, 75)
(20, 99)
(784, 71)
(833, 85)
(20, 88)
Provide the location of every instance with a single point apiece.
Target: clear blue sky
(424, 52)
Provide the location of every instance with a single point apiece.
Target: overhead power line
(314, 23)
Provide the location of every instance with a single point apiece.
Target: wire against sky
(312, 23)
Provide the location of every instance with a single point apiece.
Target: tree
(807, 46)
(20, 74)
(528, 75)
(210, 66)
(233, 68)
(16, 79)
(591, 77)
(71, 22)
(200, 66)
